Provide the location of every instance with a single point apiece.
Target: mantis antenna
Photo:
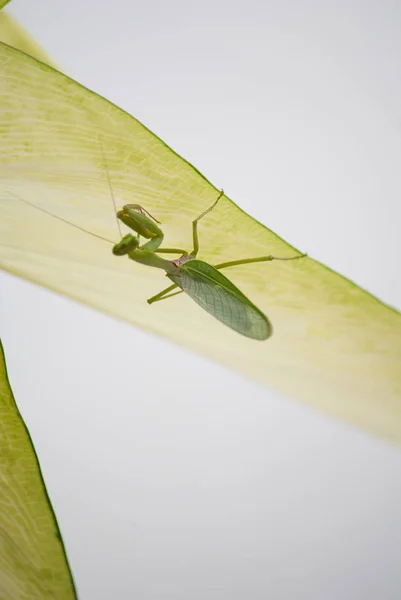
(47, 212)
(110, 187)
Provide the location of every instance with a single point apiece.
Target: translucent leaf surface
(334, 346)
(32, 558)
(13, 34)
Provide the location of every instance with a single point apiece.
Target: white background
(173, 478)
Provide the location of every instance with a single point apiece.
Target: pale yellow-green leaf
(13, 34)
(334, 347)
(33, 565)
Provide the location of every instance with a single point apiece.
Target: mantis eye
(127, 244)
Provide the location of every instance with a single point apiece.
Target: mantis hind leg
(195, 225)
(163, 295)
(246, 261)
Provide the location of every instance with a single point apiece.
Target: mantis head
(127, 245)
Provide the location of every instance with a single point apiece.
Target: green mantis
(202, 282)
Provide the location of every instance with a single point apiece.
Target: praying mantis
(202, 282)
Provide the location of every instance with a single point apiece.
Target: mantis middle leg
(164, 294)
(245, 261)
(195, 225)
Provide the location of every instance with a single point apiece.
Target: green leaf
(335, 347)
(13, 34)
(33, 564)
(3, 3)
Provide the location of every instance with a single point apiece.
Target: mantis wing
(222, 299)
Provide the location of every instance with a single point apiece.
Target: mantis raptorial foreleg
(195, 225)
